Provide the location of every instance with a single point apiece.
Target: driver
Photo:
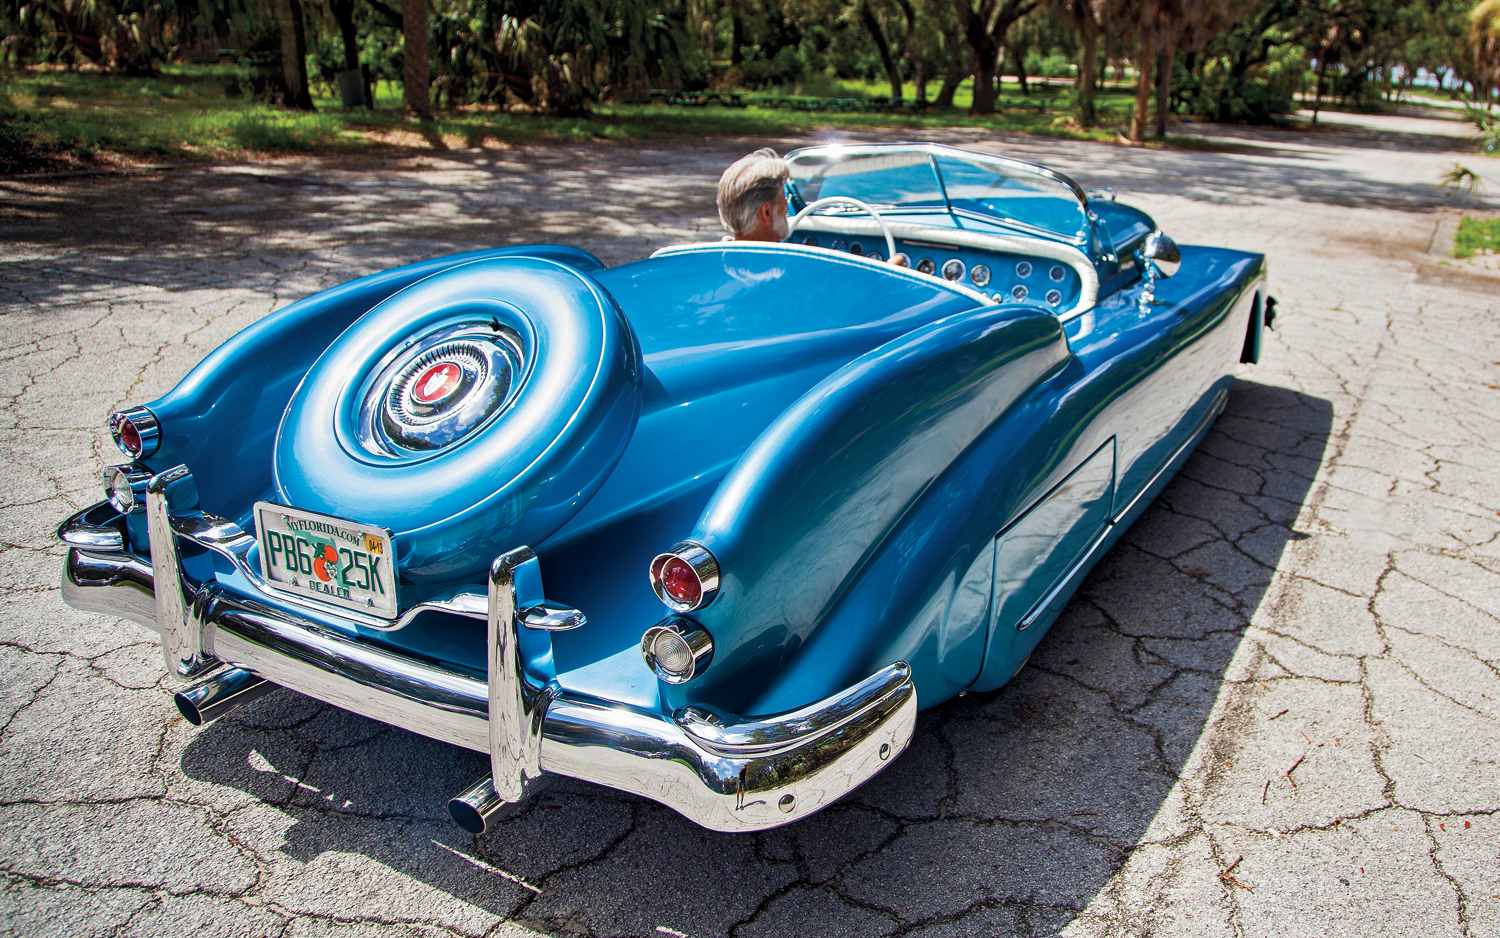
(752, 200)
(752, 197)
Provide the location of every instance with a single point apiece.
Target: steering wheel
(890, 242)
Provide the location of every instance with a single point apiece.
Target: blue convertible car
(709, 527)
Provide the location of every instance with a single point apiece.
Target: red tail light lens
(130, 437)
(686, 577)
(680, 582)
(135, 431)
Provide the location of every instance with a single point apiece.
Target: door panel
(1038, 551)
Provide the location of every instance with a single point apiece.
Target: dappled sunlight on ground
(1271, 707)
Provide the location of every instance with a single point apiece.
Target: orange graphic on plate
(321, 562)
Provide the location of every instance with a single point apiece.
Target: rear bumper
(724, 774)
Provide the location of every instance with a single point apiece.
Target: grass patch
(50, 117)
(1476, 236)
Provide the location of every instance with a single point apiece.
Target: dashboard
(1004, 277)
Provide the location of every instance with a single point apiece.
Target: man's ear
(765, 214)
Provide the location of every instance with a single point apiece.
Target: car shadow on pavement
(1011, 811)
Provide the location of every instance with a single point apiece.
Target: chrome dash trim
(910, 233)
(791, 247)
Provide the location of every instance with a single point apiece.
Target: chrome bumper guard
(724, 774)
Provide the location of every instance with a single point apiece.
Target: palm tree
(414, 69)
(1085, 15)
(1166, 27)
(1484, 37)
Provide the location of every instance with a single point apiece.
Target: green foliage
(1488, 125)
(1055, 64)
(1250, 73)
(52, 117)
(1476, 236)
(570, 57)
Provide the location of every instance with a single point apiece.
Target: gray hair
(746, 185)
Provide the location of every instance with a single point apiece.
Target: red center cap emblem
(437, 382)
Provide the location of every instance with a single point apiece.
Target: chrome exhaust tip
(473, 809)
(479, 808)
(218, 694)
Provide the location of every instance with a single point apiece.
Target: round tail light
(686, 577)
(677, 651)
(136, 431)
(125, 487)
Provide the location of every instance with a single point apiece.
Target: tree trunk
(218, 19)
(912, 54)
(877, 35)
(1163, 89)
(736, 38)
(343, 15)
(1083, 83)
(1318, 91)
(951, 80)
(1142, 89)
(82, 33)
(414, 74)
(1018, 52)
(293, 54)
(983, 51)
(984, 86)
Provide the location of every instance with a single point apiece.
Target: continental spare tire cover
(475, 411)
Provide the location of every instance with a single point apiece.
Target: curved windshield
(929, 177)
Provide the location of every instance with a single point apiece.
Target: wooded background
(1227, 60)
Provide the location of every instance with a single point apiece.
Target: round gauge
(953, 269)
(856, 248)
(926, 266)
(1054, 297)
(837, 244)
(1057, 273)
(1019, 292)
(998, 297)
(980, 274)
(875, 256)
(807, 239)
(900, 259)
(1023, 269)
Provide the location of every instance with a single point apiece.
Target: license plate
(340, 562)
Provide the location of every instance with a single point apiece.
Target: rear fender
(820, 492)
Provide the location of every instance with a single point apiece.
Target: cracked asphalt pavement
(1272, 709)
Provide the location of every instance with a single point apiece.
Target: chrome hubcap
(439, 389)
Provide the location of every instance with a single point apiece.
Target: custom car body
(709, 527)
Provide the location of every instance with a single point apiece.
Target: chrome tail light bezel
(704, 565)
(699, 643)
(135, 487)
(147, 429)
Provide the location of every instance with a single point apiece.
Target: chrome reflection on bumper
(722, 773)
